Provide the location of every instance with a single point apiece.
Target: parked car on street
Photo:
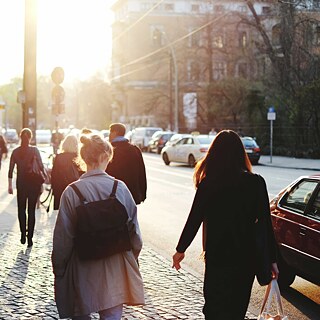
(43, 136)
(252, 149)
(176, 137)
(189, 149)
(11, 136)
(295, 214)
(142, 135)
(105, 133)
(158, 140)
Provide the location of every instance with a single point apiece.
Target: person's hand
(177, 258)
(10, 190)
(274, 270)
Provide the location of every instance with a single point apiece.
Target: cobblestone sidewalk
(26, 284)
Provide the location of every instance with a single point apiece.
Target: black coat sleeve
(265, 217)
(194, 220)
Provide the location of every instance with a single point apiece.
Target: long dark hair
(25, 136)
(225, 160)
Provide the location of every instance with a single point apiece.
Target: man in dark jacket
(127, 163)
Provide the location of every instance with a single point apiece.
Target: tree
(288, 39)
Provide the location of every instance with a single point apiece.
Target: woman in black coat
(229, 200)
(65, 168)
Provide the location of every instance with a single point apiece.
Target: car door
(311, 232)
(290, 221)
(185, 149)
(174, 150)
(178, 149)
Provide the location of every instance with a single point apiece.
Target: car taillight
(256, 149)
(203, 149)
(161, 141)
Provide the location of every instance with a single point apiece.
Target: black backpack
(101, 229)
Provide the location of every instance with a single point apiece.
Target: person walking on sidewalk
(127, 164)
(65, 168)
(100, 285)
(3, 149)
(27, 191)
(228, 199)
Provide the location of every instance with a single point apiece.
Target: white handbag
(272, 303)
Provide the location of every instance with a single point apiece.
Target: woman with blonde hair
(65, 168)
(105, 284)
(229, 201)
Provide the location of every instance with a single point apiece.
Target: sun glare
(73, 34)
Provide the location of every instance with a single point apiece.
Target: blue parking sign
(271, 109)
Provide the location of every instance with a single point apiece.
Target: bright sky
(72, 34)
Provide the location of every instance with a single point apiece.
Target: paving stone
(26, 284)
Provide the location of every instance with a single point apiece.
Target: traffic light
(58, 94)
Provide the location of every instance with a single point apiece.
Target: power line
(141, 68)
(137, 21)
(169, 45)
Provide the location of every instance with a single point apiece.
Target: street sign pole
(271, 116)
(271, 139)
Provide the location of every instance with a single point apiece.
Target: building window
(217, 41)
(266, 10)
(194, 38)
(243, 39)
(195, 8)
(243, 70)
(262, 67)
(157, 37)
(316, 36)
(193, 72)
(218, 8)
(316, 4)
(243, 9)
(276, 31)
(168, 7)
(145, 6)
(219, 70)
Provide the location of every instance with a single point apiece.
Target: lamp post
(29, 106)
(176, 83)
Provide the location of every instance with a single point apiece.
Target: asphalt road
(162, 217)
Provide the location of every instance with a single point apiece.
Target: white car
(189, 149)
(142, 135)
(43, 136)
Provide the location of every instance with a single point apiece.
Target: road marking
(169, 172)
(172, 183)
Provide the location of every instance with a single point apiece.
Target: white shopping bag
(272, 301)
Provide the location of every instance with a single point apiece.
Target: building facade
(168, 55)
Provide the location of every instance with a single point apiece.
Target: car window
(182, 141)
(298, 198)
(248, 143)
(188, 141)
(156, 135)
(315, 207)
(205, 140)
(150, 132)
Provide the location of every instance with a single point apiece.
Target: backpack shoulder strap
(83, 199)
(114, 189)
(79, 194)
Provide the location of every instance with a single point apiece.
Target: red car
(295, 214)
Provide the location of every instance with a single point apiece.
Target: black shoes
(23, 238)
(30, 243)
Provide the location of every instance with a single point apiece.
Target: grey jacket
(83, 287)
